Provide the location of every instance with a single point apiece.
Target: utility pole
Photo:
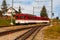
(33, 10)
(19, 9)
(12, 14)
(51, 11)
(35, 7)
(12, 3)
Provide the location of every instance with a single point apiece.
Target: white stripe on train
(31, 21)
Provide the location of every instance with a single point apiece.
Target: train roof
(25, 14)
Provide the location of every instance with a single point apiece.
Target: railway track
(17, 27)
(34, 34)
(2, 29)
(31, 31)
(26, 35)
(9, 30)
(13, 31)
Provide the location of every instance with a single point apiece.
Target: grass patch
(53, 32)
(4, 22)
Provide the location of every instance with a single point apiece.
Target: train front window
(22, 17)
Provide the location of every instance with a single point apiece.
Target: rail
(29, 33)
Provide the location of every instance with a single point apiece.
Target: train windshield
(22, 17)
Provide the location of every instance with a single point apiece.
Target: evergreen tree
(4, 6)
(44, 12)
(19, 9)
(0, 13)
(57, 18)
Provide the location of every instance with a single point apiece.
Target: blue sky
(27, 6)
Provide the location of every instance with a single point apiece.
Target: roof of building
(11, 9)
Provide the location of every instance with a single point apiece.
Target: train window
(16, 17)
(29, 17)
(22, 17)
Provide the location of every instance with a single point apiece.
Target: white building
(9, 12)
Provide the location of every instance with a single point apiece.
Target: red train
(28, 18)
